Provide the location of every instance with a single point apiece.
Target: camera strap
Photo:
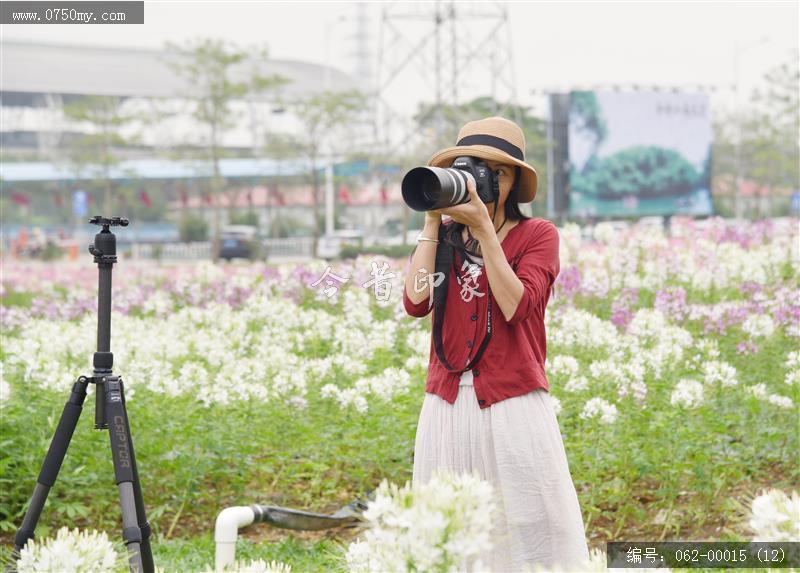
(444, 264)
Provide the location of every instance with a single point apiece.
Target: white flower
(781, 401)
(579, 328)
(597, 406)
(604, 232)
(757, 325)
(563, 365)
(71, 550)
(717, 371)
(415, 362)
(775, 516)
(792, 361)
(556, 404)
(687, 393)
(709, 346)
(647, 323)
(5, 388)
(439, 525)
(576, 384)
(759, 390)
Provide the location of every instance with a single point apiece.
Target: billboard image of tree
(639, 153)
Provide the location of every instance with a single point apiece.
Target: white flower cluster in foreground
(71, 550)
(267, 350)
(438, 526)
(776, 516)
(76, 551)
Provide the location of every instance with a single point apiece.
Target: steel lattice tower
(446, 52)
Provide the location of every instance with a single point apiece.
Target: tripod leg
(136, 530)
(147, 553)
(52, 461)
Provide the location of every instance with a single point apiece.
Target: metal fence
(289, 248)
(170, 251)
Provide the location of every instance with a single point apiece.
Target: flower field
(674, 358)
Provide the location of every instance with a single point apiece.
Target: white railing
(293, 247)
(289, 247)
(184, 251)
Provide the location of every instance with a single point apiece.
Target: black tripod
(109, 406)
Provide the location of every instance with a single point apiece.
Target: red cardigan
(513, 362)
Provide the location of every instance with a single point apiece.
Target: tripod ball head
(104, 247)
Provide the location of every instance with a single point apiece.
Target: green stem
(175, 519)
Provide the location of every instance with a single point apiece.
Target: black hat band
(492, 141)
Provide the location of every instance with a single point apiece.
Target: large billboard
(639, 153)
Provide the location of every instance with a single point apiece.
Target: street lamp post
(329, 190)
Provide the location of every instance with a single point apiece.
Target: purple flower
(569, 281)
(672, 302)
(750, 287)
(747, 347)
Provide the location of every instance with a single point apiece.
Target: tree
(589, 118)
(208, 65)
(769, 137)
(321, 114)
(770, 141)
(280, 146)
(98, 148)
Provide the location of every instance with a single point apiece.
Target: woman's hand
(473, 213)
(433, 219)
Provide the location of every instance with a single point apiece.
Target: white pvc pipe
(226, 530)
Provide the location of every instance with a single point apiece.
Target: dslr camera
(428, 188)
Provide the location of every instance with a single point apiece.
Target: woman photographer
(496, 418)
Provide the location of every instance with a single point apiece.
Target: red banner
(384, 194)
(344, 194)
(20, 199)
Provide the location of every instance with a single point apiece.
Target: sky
(554, 45)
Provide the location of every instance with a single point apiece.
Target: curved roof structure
(37, 67)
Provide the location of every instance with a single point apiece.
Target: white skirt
(516, 445)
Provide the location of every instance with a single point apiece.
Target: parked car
(239, 241)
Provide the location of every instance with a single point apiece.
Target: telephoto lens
(427, 188)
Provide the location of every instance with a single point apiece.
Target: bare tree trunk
(315, 191)
(215, 193)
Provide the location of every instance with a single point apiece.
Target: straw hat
(496, 139)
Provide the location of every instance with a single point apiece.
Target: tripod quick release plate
(107, 222)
